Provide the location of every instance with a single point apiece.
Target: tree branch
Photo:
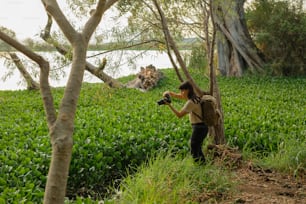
(96, 16)
(31, 83)
(44, 74)
(172, 44)
(54, 10)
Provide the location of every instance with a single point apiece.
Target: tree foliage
(279, 29)
(180, 22)
(198, 57)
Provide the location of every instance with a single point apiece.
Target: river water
(119, 63)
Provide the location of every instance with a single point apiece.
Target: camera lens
(161, 102)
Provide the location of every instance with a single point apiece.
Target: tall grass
(290, 158)
(172, 179)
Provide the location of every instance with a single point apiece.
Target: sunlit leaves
(262, 112)
(81, 7)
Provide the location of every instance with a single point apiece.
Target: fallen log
(146, 79)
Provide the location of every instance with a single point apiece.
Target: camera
(165, 100)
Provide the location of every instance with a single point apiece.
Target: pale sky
(28, 17)
(25, 17)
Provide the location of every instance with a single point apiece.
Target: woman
(193, 108)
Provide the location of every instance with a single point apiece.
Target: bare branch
(127, 47)
(54, 10)
(96, 16)
(173, 46)
(46, 36)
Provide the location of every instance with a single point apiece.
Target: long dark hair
(191, 94)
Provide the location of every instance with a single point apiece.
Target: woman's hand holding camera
(166, 93)
(166, 99)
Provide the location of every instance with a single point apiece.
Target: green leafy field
(118, 129)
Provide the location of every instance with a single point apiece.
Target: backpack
(210, 112)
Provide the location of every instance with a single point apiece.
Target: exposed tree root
(231, 157)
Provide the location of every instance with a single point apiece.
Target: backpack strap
(198, 116)
(199, 103)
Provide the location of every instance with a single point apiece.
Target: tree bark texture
(218, 130)
(237, 52)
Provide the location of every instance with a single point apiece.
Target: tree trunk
(237, 52)
(216, 131)
(31, 83)
(170, 42)
(62, 131)
(61, 140)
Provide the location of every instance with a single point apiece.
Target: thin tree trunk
(177, 71)
(218, 130)
(173, 46)
(31, 83)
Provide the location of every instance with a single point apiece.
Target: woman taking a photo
(193, 108)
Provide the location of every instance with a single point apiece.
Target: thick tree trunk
(62, 130)
(31, 83)
(61, 133)
(236, 51)
(61, 140)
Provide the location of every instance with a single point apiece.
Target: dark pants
(199, 132)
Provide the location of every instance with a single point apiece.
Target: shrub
(279, 30)
(198, 57)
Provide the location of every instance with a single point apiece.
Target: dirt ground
(265, 187)
(260, 186)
